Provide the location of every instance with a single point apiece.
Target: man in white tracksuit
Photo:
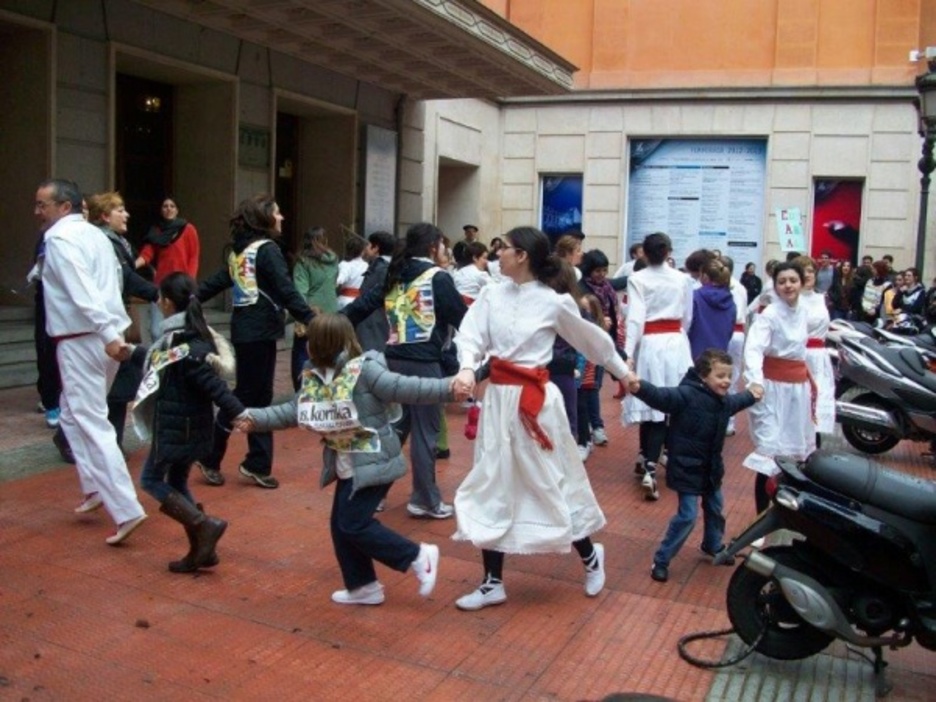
(85, 316)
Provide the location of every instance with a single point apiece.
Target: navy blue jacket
(698, 419)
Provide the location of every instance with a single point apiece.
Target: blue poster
(561, 209)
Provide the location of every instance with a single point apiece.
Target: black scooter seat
(910, 364)
(867, 481)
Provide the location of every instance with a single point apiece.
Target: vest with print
(243, 270)
(328, 409)
(410, 309)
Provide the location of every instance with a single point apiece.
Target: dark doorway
(144, 149)
(287, 163)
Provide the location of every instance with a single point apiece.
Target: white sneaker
(124, 530)
(91, 502)
(599, 437)
(661, 461)
(649, 484)
(426, 568)
(584, 452)
(487, 595)
(595, 578)
(370, 594)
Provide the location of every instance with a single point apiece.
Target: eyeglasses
(515, 248)
(43, 204)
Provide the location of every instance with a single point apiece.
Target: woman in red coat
(170, 246)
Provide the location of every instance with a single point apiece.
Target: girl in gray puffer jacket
(349, 399)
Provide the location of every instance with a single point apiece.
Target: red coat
(179, 256)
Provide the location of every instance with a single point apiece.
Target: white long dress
(518, 496)
(820, 365)
(656, 293)
(781, 423)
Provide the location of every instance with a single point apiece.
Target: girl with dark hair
(659, 313)
(421, 303)
(174, 407)
(171, 245)
(351, 270)
(783, 423)
(316, 279)
(817, 355)
(346, 397)
(751, 282)
(527, 491)
(262, 287)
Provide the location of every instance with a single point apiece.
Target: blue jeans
(160, 479)
(681, 525)
(593, 401)
(359, 539)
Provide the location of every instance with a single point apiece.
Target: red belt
(65, 337)
(815, 343)
(532, 396)
(349, 292)
(788, 370)
(663, 326)
(467, 300)
(739, 327)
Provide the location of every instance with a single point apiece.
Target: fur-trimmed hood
(223, 362)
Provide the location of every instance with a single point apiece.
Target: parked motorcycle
(884, 394)
(861, 568)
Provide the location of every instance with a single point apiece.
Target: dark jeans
(160, 479)
(593, 401)
(424, 423)
(566, 385)
(582, 425)
(256, 367)
(359, 539)
(681, 525)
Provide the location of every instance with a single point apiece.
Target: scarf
(165, 233)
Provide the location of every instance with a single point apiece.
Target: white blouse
(654, 293)
(780, 331)
(469, 280)
(817, 314)
(519, 323)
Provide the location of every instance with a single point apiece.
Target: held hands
(119, 350)
(633, 382)
(757, 391)
(244, 423)
(463, 384)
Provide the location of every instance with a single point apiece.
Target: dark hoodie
(713, 319)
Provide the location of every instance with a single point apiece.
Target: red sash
(349, 292)
(532, 396)
(815, 343)
(663, 326)
(787, 370)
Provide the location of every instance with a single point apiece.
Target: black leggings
(494, 560)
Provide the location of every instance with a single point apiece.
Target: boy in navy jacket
(699, 410)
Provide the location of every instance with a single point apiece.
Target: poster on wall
(836, 218)
(380, 169)
(560, 204)
(703, 193)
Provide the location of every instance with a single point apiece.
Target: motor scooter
(884, 394)
(861, 568)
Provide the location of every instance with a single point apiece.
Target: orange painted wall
(724, 43)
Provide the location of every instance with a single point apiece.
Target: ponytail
(179, 289)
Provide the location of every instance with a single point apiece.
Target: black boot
(205, 531)
(187, 563)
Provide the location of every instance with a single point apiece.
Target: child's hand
(756, 390)
(244, 423)
(457, 389)
(462, 383)
(633, 382)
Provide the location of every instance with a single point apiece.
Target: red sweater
(180, 256)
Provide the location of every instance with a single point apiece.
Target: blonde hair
(102, 204)
(717, 273)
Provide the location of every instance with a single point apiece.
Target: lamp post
(926, 86)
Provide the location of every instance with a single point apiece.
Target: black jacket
(263, 321)
(183, 415)
(698, 419)
(373, 331)
(449, 310)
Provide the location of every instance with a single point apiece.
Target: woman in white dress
(817, 355)
(775, 358)
(659, 311)
(527, 491)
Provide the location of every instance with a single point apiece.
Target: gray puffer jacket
(374, 392)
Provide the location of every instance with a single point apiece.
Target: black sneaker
(727, 562)
(660, 573)
(264, 481)
(211, 476)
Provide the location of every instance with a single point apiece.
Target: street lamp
(926, 86)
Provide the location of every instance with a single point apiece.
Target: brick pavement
(82, 621)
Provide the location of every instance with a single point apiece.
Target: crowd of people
(392, 330)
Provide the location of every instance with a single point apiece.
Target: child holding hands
(347, 397)
(699, 410)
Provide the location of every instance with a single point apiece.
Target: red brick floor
(82, 621)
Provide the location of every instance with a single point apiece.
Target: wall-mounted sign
(253, 150)
(560, 204)
(837, 218)
(380, 173)
(703, 193)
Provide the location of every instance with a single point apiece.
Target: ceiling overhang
(426, 49)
